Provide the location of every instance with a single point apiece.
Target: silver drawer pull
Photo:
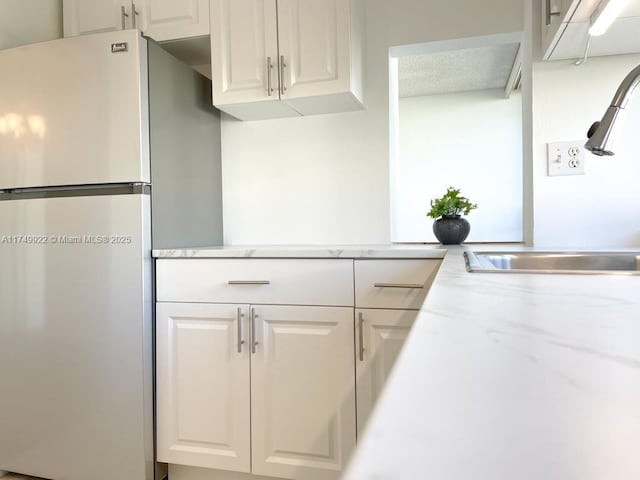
(283, 87)
(254, 340)
(248, 282)
(361, 336)
(123, 15)
(239, 317)
(134, 14)
(269, 68)
(549, 13)
(398, 285)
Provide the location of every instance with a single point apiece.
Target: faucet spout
(601, 133)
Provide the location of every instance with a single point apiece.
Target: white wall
(325, 179)
(601, 208)
(472, 141)
(29, 21)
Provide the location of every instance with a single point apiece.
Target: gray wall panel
(186, 181)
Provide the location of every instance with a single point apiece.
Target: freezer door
(75, 338)
(71, 112)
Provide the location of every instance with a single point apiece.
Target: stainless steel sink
(625, 263)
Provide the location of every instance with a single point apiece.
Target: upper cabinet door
(81, 17)
(173, 19)
(315, 47)
(565, 32)
(555, 17)
(244, 45)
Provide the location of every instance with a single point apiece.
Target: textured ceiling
(456, 70)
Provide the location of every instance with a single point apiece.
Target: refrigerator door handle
(76, 191)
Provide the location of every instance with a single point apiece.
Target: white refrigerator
(108, 147)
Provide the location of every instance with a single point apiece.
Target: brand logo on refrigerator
(119, 47)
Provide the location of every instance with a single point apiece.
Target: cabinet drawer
(393, 283)
(266, 281)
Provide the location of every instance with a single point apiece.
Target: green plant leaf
(450, 204)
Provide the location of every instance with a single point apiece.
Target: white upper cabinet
(555, 14)
(313, 46)
(286, 57)
(162, 20)
(315, 55)
(244, 59)
(565, 30)
(82, 17)
(172, 19)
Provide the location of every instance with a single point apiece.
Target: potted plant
(450, 228)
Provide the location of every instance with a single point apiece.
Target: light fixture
(604, 15)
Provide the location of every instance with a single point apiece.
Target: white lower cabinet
(203, 386)
(264, 389)
(302, 391)
(380, 337)
(253, 379)
(388, 296)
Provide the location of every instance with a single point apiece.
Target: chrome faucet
(601, 133)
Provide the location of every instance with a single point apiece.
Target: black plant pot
(451, 230)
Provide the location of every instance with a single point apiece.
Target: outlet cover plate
(566, 158)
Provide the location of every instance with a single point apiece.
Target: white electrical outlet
(565, 158)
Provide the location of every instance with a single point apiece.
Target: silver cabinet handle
(550, 13)
(239, 317)
(254, 342)
(398, 285)
(248, 282)
(361, 335)
(124, 15)
(283, 88)
(269, 68)
(134, 13)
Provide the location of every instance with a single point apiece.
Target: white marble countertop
(295, 251)
(512, 377)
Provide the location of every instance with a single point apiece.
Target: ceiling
(454, 71)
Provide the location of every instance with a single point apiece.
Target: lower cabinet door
(380, 337)
(302, 387)
(203, 385)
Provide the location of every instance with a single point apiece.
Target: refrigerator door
(76, 338)
(71, 112)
